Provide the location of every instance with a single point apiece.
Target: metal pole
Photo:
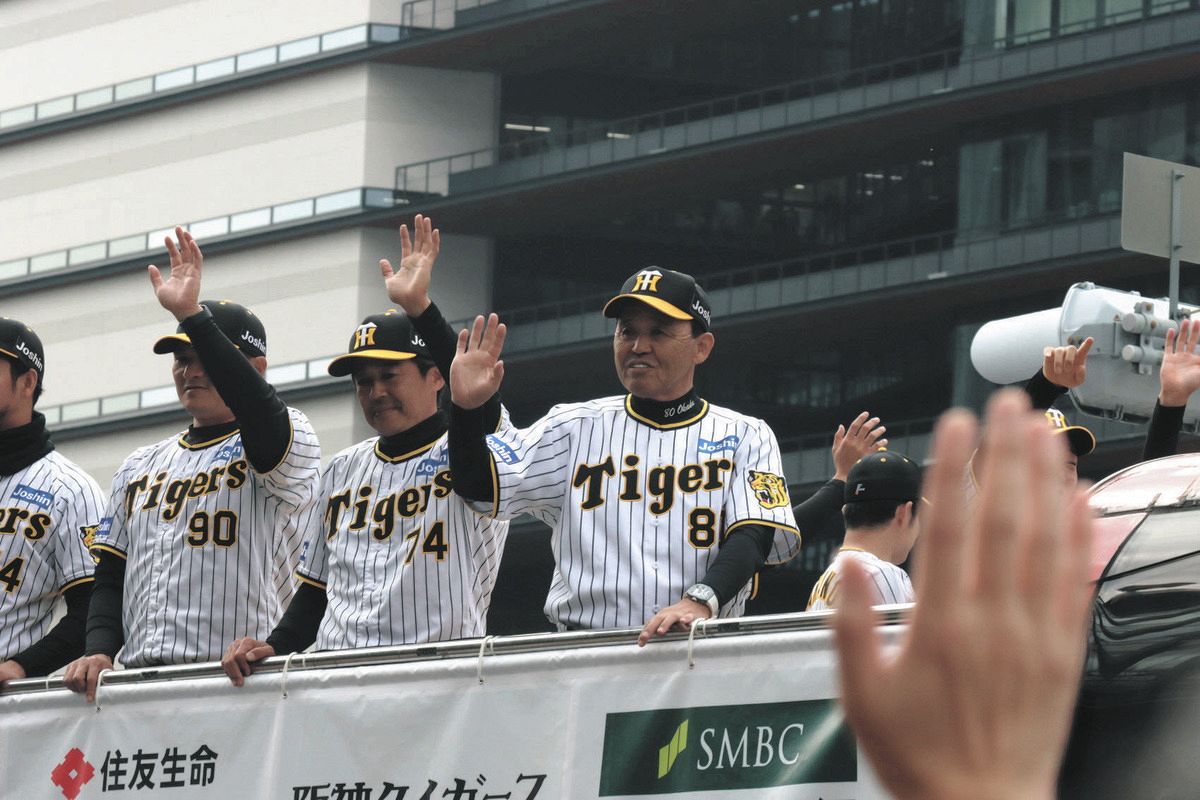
(1176, 241)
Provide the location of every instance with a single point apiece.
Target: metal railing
(825, 276)
(796, 103)
(207, 73)
(461, 649)
(443, 14)
(675, 128)
(242, 223)
(1143, 12)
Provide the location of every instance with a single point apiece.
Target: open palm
(408, 284)
(179, 292)
(1179, 375)
(477, 371)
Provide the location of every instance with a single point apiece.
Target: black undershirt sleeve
(442, 342)
(105, 633)
(820, 516)
(739, 558)
(1162, 438)
(64, 642)
(1042, 393)
(470, 459)
(298, 628)
(263, 418)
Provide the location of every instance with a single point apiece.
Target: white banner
(753, 718)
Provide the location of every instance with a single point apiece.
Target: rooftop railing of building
(450, 14)
(789, 105)
(421, 18)
(208, 73)
(226, 227)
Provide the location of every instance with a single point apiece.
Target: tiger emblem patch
(770, 489)
(88, 534)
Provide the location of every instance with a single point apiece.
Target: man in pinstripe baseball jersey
(883, 491)
(49, 510)
(391, 556)
(200, 535)
(662, 505)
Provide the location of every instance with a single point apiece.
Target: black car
(1137, 725)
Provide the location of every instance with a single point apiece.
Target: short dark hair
(872, 513)
(19, 369)
(697, 329)
(424, 365)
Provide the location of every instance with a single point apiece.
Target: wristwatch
(703, 594)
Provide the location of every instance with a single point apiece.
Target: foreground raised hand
(977, 701)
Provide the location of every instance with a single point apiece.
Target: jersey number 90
(220, 528)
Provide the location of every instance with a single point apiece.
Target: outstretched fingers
(941, 547)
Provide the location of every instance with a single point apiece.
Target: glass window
(1030, 20)
(979, 186)
(1076, 15)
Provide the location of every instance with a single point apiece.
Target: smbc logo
(726, 747)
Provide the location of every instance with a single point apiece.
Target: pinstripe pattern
(625, 546)
(384, 585)
(47, 510)
(890, 583)
(189, 591)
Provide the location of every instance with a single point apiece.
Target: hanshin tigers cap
(389, 336)
(1079, 439)
(883, 475)
(675, 294)
(19, 343)
(237, 322)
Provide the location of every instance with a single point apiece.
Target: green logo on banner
(671, 750)
(730, 747)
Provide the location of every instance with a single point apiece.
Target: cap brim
(1080, 439)
(172, 342)
(657, 303)
(344, 365)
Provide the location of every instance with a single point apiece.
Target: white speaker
(1122, 377)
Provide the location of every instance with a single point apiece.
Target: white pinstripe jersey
(210, 543)
(890, 583)
(49, 512)
(639, 510)
(402, 558)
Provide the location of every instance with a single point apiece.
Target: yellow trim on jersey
(186, 445)
(109, 549)
(770, 524)
(495, 485)
(77, 582)
(753, 587)
(310, 581)
(425, 448)
(681, 423)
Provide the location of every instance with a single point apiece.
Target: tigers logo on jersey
(88, 534)
(769, 488)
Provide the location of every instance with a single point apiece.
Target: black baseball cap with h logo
(19, 343)
(674, 294)
(237, 322)
(389, 336)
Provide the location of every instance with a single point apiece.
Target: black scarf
(20, 447)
